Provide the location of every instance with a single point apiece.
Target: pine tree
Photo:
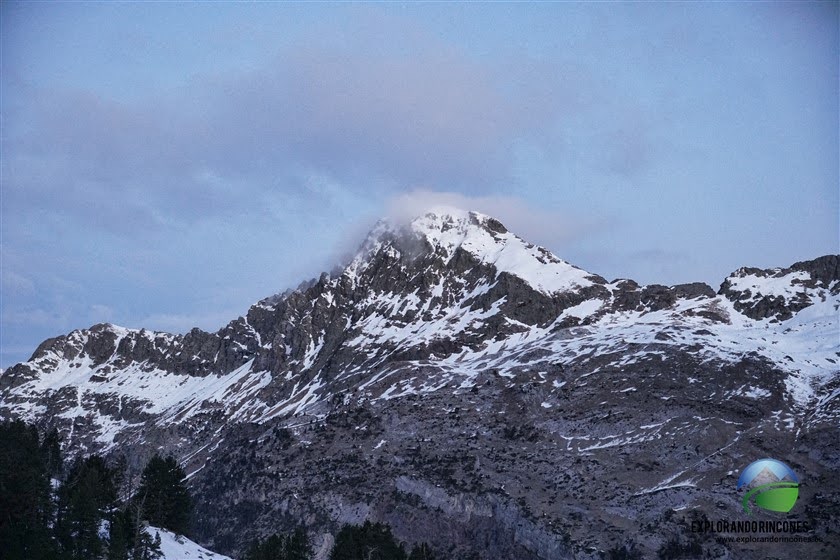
(132, 530)
(146, 547)
(295, 546)
(154, 550)
(121, 473)
(272, 548)
(298, 546)
(51, 450)
(371, 541)
(421, 552)
(86, 498)
(119, 535)
(167, 502)
(25, 505)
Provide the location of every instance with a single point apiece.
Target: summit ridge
(460, 383)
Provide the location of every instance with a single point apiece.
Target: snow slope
(476, 233)
(390, 315)
(178, 547)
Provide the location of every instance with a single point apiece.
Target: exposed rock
(693, 290)
(473, 391)
(779, 293)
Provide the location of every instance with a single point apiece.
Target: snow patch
(177, 547)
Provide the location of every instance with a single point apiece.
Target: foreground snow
(176, 547)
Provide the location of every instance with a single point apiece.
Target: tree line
(95, 509)
(370, 541)
(88, 509)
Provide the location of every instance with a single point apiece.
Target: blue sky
(165, 165)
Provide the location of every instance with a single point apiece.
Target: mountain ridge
(508, 348)
(826, 269)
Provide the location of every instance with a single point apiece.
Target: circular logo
(770, 484)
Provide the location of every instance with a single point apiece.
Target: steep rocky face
(473, 391)
(778, 293)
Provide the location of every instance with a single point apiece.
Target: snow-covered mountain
(459, 382)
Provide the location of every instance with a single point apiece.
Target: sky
(165, 165)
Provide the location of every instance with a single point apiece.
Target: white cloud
(546, 227)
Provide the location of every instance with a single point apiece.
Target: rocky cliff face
(476, 392)
(780, 292)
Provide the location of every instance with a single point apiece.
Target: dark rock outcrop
(800, 285)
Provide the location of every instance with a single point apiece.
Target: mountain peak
(446, 231)
(451, 222)
(434, 222)
(448, 340)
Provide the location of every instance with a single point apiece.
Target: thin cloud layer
(364, 116)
